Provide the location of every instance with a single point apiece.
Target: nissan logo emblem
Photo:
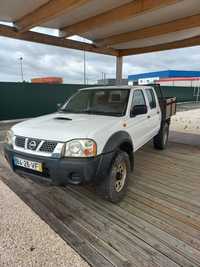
(32, 145)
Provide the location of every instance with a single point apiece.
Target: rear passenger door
(154, 115)
(138, 125)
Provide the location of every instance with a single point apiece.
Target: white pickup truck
(92, 137)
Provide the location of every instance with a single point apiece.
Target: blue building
(151, 77)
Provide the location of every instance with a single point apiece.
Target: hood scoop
(63, 119)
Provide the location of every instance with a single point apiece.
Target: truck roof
(116, 87)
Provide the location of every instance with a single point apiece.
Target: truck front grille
(35, 144)
(20, 141)
(48, 146)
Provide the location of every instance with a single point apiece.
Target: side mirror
(138, 110)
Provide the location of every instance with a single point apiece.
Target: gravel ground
(2, 136)
(26, 240)
(186, 121)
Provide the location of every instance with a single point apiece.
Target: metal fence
(25, 100)
(182, 94)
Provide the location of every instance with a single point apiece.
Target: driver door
(138, 125)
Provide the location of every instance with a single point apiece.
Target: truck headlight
(80, 148)
(9, 137)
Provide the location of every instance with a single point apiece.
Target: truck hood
(63, 127)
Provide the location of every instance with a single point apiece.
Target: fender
(116, 140)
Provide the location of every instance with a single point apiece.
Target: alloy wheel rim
(120, 176)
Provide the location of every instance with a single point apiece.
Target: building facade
(49, 80)
(167, 77)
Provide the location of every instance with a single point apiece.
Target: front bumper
(63, 170)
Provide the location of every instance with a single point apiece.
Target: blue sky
(42, 60)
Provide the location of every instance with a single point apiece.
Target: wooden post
(119, 63)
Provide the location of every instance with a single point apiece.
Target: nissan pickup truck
(92, 138)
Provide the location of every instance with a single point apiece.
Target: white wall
(187, 83)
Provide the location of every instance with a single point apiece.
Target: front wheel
(161, 139)
(114, 187)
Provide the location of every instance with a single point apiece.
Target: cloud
(181, 59)
(42, 60)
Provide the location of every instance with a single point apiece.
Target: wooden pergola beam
(46, 12)
(11, 32)
(189, 42)
(154, 31)
(126, 11)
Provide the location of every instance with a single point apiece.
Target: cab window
(138, 98)
(151, 98)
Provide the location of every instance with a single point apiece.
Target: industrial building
(167, 78)
(49, 80)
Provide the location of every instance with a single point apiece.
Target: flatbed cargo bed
(167, 104)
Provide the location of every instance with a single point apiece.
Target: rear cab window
(151, 98)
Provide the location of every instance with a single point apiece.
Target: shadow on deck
(157, 224)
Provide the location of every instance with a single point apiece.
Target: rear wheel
(161, 139)
(114, 187)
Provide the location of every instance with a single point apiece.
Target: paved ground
(26, 240)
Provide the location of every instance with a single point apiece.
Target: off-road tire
(109, 186)
(161, 139)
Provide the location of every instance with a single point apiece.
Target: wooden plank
(190, 198)
(174, 153)
(165, 226)
(153, 31)
(173, 200)
(151, 235)
(188, 42)
(10, 32)
(192, 232)
(167, 208)
(46, 12)
(121, 13)
(96, 228)
(175, 181)
(169, 198)
(178, 180)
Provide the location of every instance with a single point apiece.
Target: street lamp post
(84, 68)
(21, 68)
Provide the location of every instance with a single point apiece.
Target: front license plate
(28, 164)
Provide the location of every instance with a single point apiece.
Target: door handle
(148, 117)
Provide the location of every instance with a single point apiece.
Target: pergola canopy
(115, 27)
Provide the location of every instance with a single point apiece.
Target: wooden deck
(158, 223)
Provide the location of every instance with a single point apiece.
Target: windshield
(110, 102)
